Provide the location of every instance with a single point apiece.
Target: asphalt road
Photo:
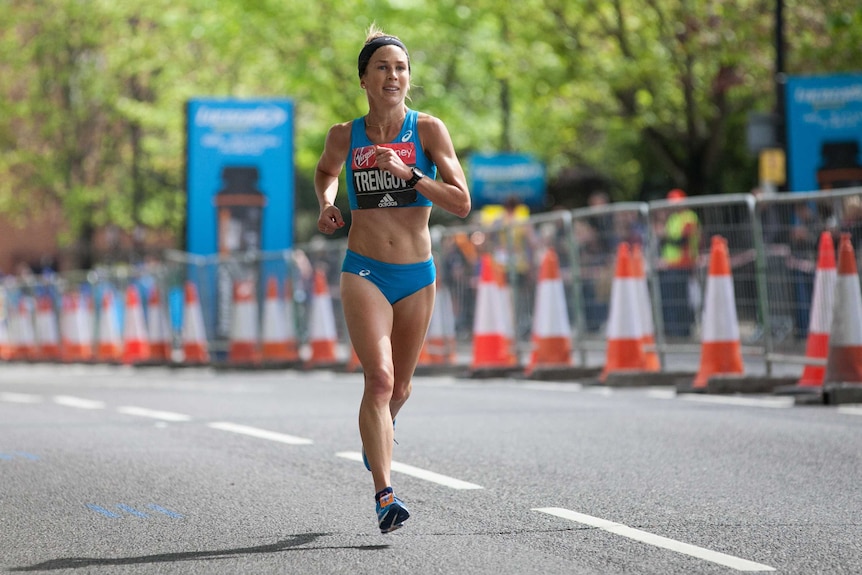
(119, 470)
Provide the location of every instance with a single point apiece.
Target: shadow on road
(294, 543)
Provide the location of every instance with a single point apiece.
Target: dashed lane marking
(770, 402)
(80, 403)
(154, 414)
(657, 540)
(417, 472)
(259, 433)
(20, 397)
(550, 386)
(855, 409)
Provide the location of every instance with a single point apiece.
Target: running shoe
(391, 512)
(365, 458)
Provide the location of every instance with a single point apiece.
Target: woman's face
(387, 77)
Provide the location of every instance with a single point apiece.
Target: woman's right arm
(326, 177)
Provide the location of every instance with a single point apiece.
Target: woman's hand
(330, 219)
(388, 160)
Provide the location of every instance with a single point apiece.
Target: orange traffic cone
(721, 351)
(136, 342)
(439, 348)
(624, 331)
(279, 334)
(844, 361)
(47, 330)
(552, 332)
(322, 334)
(194, 337)
(651, 360)
(158, 328)
(5, 347)
(109, 348)
(820, 318)
(243, 349)
(491, 327)
(21, 334)
(77, 328)
(353, 364)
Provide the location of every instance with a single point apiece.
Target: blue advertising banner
(240, 175)
(496, 177)
(824, 132)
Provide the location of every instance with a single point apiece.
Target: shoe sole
(402, 515)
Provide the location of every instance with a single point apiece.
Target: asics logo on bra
(387, 201)
(407, 135)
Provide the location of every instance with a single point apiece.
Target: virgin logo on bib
(376, 188)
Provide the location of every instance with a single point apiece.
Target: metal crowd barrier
(773, 244)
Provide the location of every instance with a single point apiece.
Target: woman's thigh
(369, 319)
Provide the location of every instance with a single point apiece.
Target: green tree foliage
(646, 93)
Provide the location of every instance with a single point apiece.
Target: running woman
(399, 162)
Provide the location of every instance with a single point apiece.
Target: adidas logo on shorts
(387, 201)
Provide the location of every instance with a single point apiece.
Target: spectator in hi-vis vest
(679, 247)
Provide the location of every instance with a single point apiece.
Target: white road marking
(662, 393)
(417, 472)
(657, 540)
(774, 402)
(550, 386)
(155, 414)
(854, 409)
(80, 403)
(259, 433)
(20, 397)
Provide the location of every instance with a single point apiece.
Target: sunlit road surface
(151, 470)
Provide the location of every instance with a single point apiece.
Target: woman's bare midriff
(392, 235)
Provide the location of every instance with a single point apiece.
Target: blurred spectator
(852, 222)
(679, 241)
(596, 274)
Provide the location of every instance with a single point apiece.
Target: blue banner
(824, 132)
(240, 175)
(496, 177)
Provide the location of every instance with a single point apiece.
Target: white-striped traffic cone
(109, 346)
(820, 317)
(624, 330)
(194, 335)
(844, 362)
(77, 328)
(158, 328)
(492, 345)
(279, 345)
(552, 332)
(136, 341)
(322, 333)
(721, 351)
(243, 349)
(47, 330)
(22, 334)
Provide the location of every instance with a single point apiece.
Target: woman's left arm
(450, 190)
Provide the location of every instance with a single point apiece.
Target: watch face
(417, 173)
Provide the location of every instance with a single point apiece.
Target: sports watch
(417, 175)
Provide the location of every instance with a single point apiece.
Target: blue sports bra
(370, 187)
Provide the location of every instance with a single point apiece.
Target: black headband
(373, 45)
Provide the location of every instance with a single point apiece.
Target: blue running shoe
(391, 512)
(365, 458)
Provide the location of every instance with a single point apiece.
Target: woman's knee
(379, 382)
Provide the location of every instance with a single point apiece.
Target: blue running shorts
(395, 281)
